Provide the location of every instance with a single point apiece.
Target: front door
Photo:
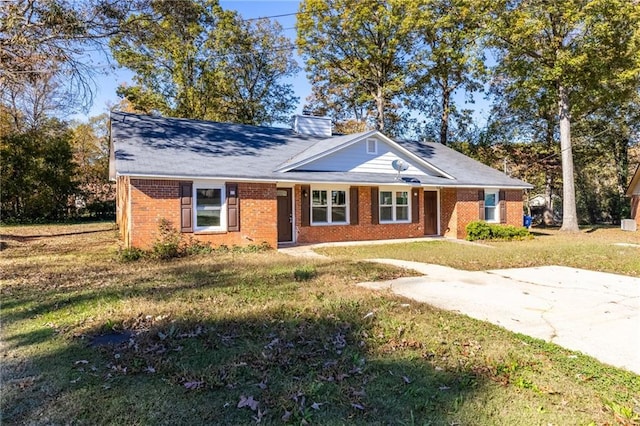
(285, 215)
(430, 212)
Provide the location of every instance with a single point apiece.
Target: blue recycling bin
(526, 221)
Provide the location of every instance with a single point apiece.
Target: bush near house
(480, 230)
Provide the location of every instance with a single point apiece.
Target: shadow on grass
(170, 279)
(308, 367)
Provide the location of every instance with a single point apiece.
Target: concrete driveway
(595, 313)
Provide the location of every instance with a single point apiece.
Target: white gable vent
(312, 125)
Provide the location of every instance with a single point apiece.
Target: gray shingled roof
(179, 148)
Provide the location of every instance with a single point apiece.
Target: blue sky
(107, 84)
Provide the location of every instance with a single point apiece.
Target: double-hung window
(491, 206)
(209, 211)
(328, 206)
(394, 206)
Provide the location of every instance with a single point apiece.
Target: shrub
(251, 248)
(131, 254)
(194, 247)
(168, 244)
(480, 230)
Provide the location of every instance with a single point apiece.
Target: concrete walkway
(307, 250)
(592, 312)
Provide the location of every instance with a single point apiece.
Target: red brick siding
(363, 231)
(152, 200)
(513, 198)
(460, 206)
(448, 214)
(467, 209)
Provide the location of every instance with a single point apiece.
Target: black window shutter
(233, 208)
(186, 207)
(375, 211)
(353, 205)
(481, 204)
(503, 206)
(306, 205)
(415, 205)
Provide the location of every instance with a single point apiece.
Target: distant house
(238, 184)
(633, 191)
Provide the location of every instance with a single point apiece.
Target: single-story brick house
(235, 184)
(633, 191)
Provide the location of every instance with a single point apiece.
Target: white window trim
(375, 146)
(393, 190)
(329, 206)
(223, 206)
(496, 207)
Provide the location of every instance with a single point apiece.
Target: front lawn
(596, 249)
(261, 337)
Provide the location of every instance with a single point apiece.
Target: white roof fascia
(182, 177)
(354, 183)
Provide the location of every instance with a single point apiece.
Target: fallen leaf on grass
(316, 405)
(286, 416)
(193, 385)
(259, 415)
(406, 379)
(358, 406)
(150, 369)
(248, 402)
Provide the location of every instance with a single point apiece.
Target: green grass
(592, 248)
(297, 336)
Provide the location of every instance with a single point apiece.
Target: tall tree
(255, 59)
(193, 59)
(50, 36)
(573, 50)
(611, 132)
(90, 147)
(448, 58)
(36, 172)
(359, 47)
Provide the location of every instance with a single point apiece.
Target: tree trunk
(569, 214)
(444, 116)
(547, 214)
(380, 107)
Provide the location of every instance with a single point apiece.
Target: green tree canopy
(193, 59)
(448, 58)
(36, 172)
(356, 53)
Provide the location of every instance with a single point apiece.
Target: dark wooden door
(430, 212)
(285, 215)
